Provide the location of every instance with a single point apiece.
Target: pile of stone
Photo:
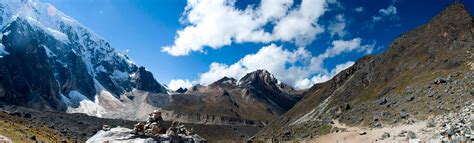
(455, 127)
(154, 128)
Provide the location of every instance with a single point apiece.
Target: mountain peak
(225, 81)
(455, 13)
(261, 75)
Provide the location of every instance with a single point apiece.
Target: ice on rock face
(119, 75)
(3, 52)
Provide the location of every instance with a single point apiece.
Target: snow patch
(3, 52)
(85, 105)
(58, 35)
(6, 33)
(49, 53)
(228, 81)
(119, 75)
(100, 69)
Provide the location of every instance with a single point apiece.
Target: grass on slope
(18, 131)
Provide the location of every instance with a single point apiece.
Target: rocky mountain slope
(427, 71)
(255, 99)
(50, 61)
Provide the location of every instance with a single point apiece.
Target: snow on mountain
(88, 75)
(2, 51)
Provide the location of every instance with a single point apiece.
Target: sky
(301, 42)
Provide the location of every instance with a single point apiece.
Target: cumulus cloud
(319, 78)
(273, 58)
(338, 26)
(298, 68)
(217, 23)
(175, 84)
(390, 12)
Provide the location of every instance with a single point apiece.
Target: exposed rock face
(268, 89)
(50, 55)
(394, 86)
(181, 90)
(145, 81)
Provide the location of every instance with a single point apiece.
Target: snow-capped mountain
(50, 61)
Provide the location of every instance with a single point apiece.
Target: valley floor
(27, 125)
(454, 127)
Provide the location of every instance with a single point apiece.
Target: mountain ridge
(390, 87)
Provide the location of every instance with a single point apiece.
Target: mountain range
(49, 61)
(52, 64)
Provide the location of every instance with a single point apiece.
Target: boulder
(381, 101)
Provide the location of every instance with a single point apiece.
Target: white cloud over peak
(298, 68)
(217, 23)
(175, 84)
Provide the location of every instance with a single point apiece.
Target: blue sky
(144, 27)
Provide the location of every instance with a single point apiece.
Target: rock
(472, 92)
(381, 101)
(346, 106)
(411, 135)
(27, 115)
(106, 127)
(33, 138)
(63, 131)
(362, 133)
(410, 98)
(440, 80)
(385, 135)
(431, 123)
(403, 115)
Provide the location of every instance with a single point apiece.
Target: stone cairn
(155, 128)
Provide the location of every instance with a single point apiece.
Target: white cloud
(389, 12)
(272, 58)
(319, 78)
(217, 23)
(338, 26)
(298, 68)
(359, 9)
(175, 84)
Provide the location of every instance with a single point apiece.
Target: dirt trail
(352, 134)
(4, 139)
